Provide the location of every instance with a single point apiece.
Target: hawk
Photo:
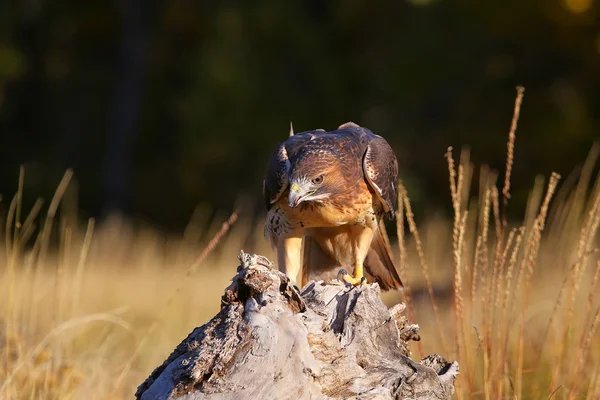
(326, 194)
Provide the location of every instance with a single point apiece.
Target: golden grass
(88, 311)
(107, 307)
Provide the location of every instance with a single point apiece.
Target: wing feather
(380, 167)
(379, 262)
(276, 178)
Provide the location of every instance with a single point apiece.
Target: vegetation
(144, 98)
(80, 304)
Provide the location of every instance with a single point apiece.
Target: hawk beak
(295, 197)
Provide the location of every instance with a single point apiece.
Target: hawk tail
(316, 264)
(379, 267)
(379, 262)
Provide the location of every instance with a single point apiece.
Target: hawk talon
(350, 280)
(340, 275)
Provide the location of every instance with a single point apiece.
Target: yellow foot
(344, 276)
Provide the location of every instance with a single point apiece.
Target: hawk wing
(379, 164)
(380, 167)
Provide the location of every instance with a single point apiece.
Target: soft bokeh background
(166, 113)
(161, 106)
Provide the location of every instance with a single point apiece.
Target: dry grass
(88, 311)
(92, 319)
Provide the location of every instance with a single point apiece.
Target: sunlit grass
(88, 310)
(94, 325)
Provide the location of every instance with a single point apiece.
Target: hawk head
(313, 176)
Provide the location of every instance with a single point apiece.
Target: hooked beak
(296, 196)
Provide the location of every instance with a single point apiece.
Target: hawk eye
(318, 180)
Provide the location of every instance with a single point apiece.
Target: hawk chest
(357, 208)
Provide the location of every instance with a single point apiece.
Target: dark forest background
(160, 106)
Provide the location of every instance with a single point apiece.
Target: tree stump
(328, 341)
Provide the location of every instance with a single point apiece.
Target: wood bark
(327, 341)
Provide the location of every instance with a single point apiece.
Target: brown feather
(316, 264)
(319, 264)
(379, 262)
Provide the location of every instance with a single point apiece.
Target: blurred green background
(160, 106)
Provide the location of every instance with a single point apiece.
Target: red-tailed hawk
(326, 194)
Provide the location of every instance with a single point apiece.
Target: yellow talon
(358, 277)
(352, 280)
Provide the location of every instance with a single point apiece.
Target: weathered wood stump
(327, 342)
